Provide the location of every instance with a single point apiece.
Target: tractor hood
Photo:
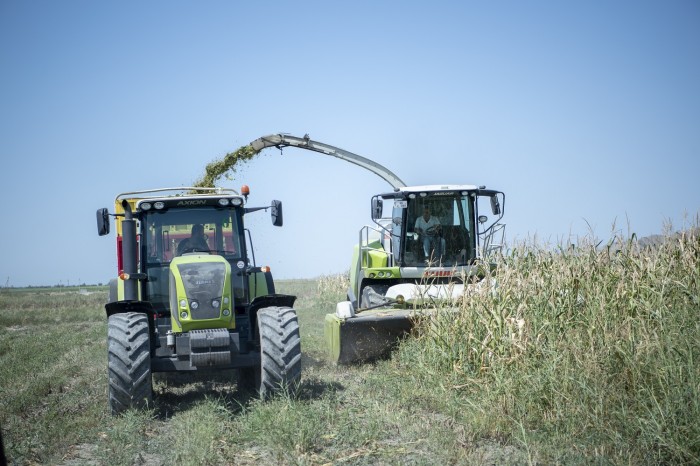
(200, 292)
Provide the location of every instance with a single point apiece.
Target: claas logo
(437, 273)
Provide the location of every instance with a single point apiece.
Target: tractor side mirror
(102, 222)
(276, 213)
(495, 205)
(377, 208)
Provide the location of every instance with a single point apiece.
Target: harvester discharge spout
(285, 140)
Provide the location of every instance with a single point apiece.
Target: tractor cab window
(438, 230)
(180, 231)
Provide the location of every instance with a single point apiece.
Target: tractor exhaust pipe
(129, 253)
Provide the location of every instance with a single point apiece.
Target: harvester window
(450, 242)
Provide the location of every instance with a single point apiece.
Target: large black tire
(280, 350)
(129, 362)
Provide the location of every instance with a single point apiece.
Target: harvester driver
(197, 242)
(429, 228)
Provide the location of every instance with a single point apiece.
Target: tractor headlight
(226, 312)
(194, 305)
(226, 300)
(183, 315)
(183, 303)
(215, 303)
(381, 274)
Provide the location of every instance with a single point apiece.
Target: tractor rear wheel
(129, 362)
(280, 350)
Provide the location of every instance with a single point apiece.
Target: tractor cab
(193, 235)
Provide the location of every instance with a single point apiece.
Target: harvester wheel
(280, 350)
(129, 362)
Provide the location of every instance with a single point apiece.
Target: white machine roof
(439, 187)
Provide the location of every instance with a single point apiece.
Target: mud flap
(365, 337)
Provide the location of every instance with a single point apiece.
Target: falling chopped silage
(218, 168)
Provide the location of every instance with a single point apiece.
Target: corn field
(596, 345)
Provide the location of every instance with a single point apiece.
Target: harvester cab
(190, 296)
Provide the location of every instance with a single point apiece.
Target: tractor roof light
(236, 201)
(159, 205)
(145, 206)
(223, 202)
(245, 190)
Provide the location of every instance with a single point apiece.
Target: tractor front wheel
(129, 362)
(280, 350)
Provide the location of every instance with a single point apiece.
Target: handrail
(363, 251)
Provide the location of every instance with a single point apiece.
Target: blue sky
(586, 114)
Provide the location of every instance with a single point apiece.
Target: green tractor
(190, 297)
(427, 243)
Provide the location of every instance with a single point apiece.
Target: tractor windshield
(177, 231)
(439, 229)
